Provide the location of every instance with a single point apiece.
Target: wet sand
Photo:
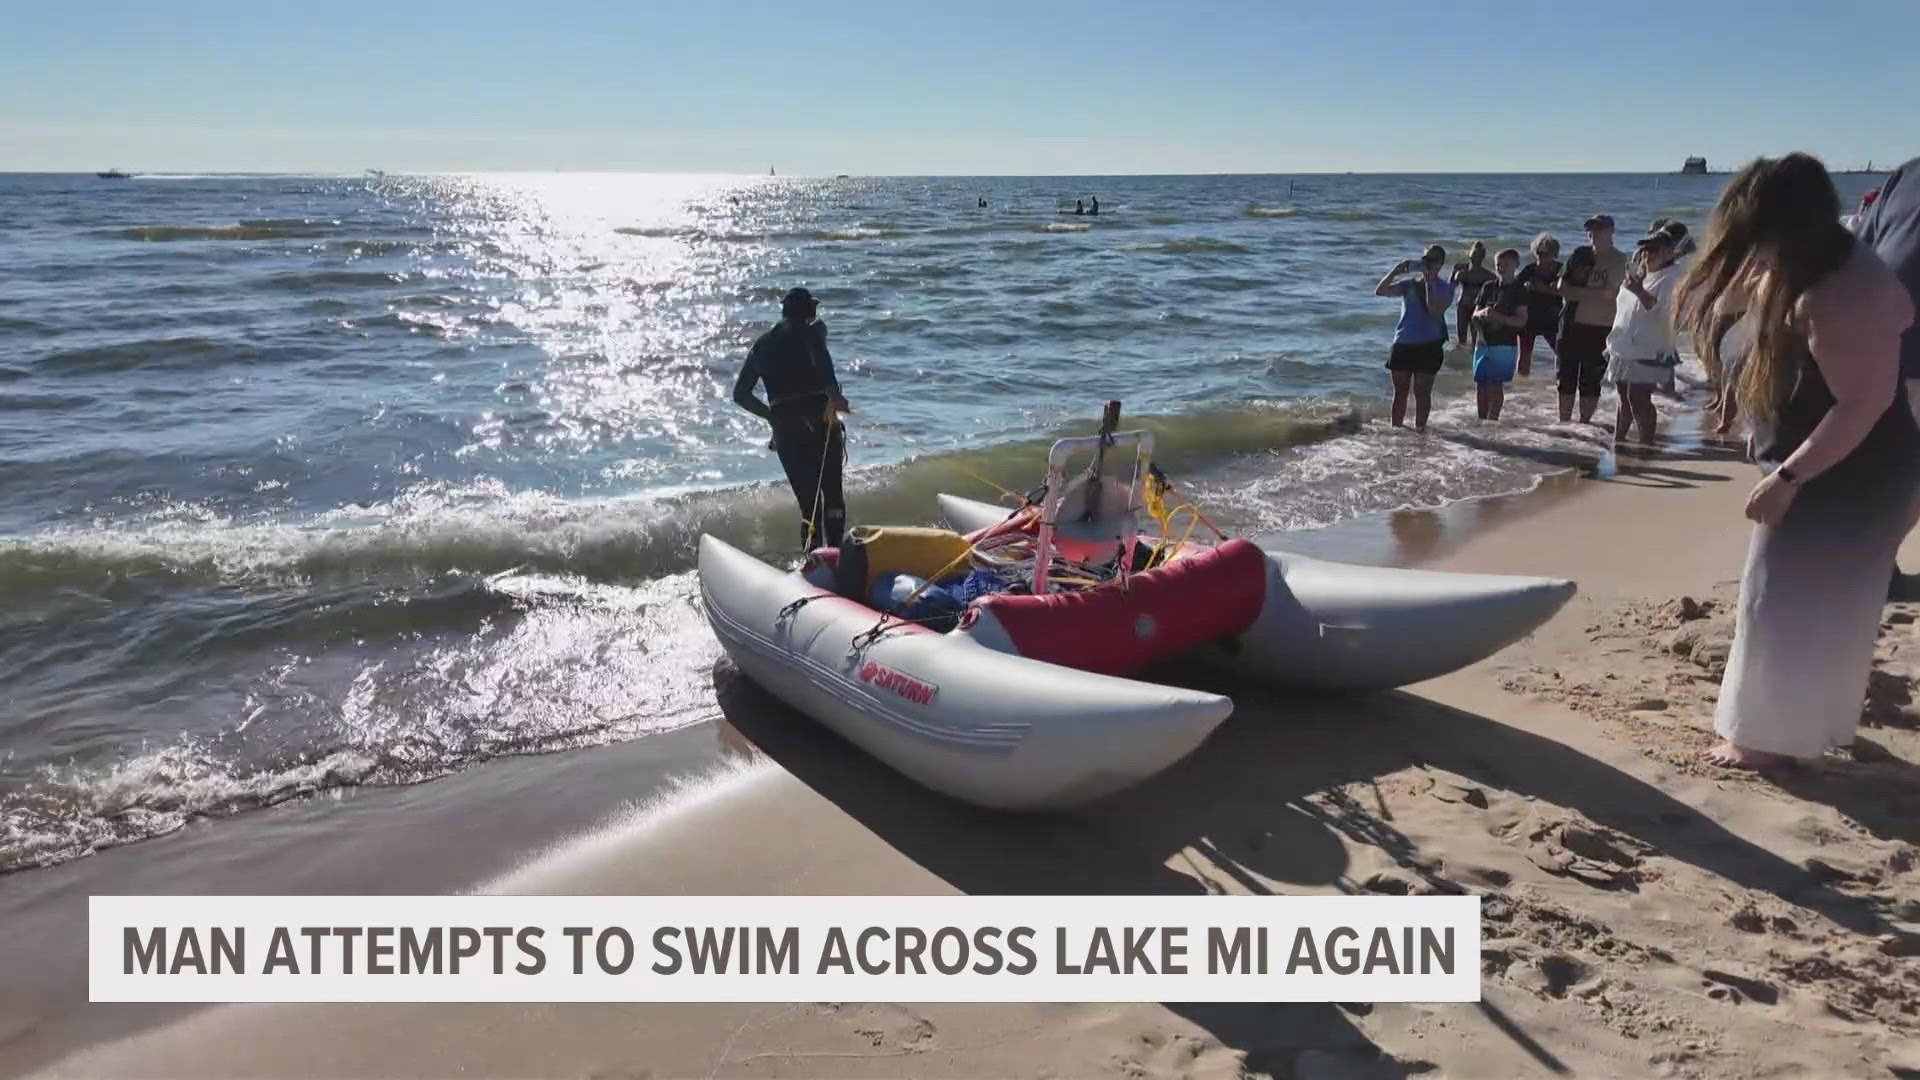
(1644, 915)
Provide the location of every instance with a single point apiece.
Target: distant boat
(769, 170)
(114, 174)
(1695, 166)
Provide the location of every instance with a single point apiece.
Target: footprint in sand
(1553, 974)
(888, 1027)
(1735, 989)
(1566, 846)
(1153, 1055)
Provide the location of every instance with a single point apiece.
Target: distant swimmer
(1096, 205)
(983, 203)
(1079, 206)
(803, 405)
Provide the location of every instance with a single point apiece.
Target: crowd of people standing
(1805, 323)
(1804, 320)
(1606, 315)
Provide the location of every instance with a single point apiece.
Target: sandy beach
(1645, 915)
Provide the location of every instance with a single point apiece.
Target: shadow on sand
(1236, 815)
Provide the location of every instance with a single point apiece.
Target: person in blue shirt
(1420, 338)
(803, 406)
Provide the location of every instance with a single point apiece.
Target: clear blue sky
(1043, 86)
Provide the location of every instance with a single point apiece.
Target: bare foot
(1729, 756)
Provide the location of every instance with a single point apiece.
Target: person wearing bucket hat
(1641, 346)
(803, 406)
(1681, 247)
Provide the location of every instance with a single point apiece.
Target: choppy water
(308, 482)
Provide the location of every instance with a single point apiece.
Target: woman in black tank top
(1837, 445)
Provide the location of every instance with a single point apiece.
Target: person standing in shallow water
(803, 406)
(1641, 351)
(1499, 314)
(1468, 279)
(1838, 448)
(1541, 278)
(1420, 338)
(1590, 285)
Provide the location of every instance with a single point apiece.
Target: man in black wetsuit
(803, 403)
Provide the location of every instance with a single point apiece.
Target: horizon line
(885, 176)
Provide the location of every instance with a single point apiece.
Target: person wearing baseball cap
(803, 406)
(1591, 286)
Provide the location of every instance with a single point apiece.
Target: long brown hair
(1781, 215)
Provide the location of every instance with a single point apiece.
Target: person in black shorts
(1581, 349)
(1541, 278)
(1590, 286)
(1420, 339)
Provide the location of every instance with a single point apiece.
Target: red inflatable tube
(1213, 594)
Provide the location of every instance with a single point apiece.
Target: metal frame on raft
(1126, 521)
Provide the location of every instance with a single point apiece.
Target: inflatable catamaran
(996, 661)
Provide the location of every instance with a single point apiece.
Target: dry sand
(1645, 915)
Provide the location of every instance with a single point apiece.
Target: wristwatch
(1786, 475)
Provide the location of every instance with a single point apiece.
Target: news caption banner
(209, 949)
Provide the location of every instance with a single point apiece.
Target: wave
(45, 402)
(1348, 322)
(1226, 283)
(1349, 214)
(1063, 227)
(856, 233)
(1418, 204)
(243, 231)
(440, 529)
(189, 352)
(575, 666)
(850, 233)
(966, 230)
(25, 326)
(304, 280)
(374, 248)
(1200, 246)
(1271, 211)
(663, 232)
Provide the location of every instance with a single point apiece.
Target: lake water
(315, 482)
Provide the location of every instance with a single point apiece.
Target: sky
(986, 88)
